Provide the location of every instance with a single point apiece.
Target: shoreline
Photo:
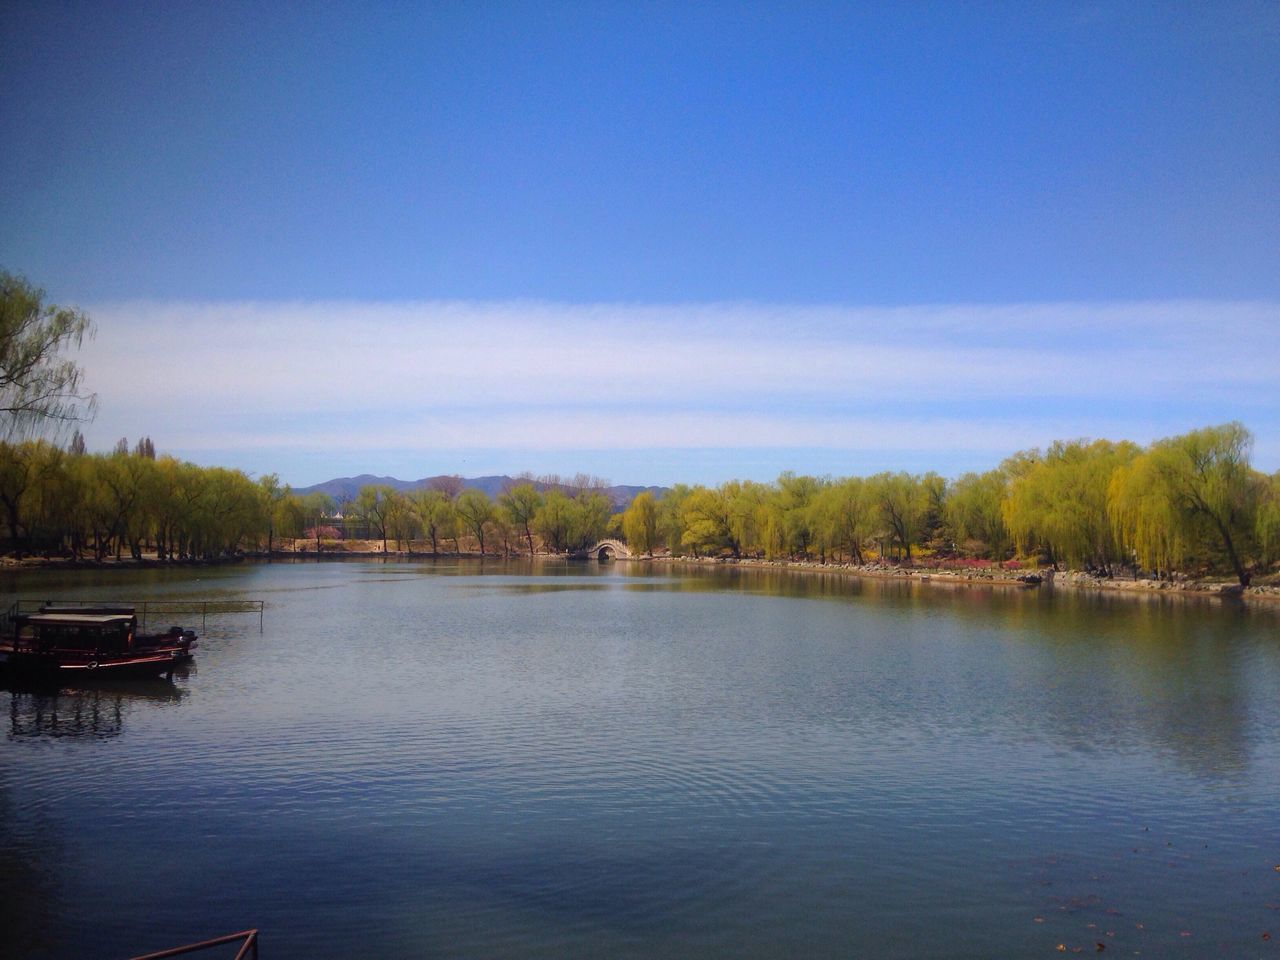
(978, 577)
(1060, 579)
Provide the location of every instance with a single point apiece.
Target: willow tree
(475, 510)
(1058, 502)
(1267, 527)
(842, 517)
(705, 521)
(1144, 517)
(671, 517)
(402, 520)
(1193, 494)
(230, 511)
(38, 384)
(554, 520)
(56, 501)
(316, 507)
(273, 495)
(973, 513)
(374, 505)
(23, 469)
(591, 513)
(436, 514)
(795, 495)
(903, 501)
(519, 505)
(855, 515)
(746, 504)
(640, 523)
(127, 485)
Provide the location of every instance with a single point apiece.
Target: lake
(570, 760)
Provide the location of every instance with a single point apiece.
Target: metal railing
(155, 608)
(248, 950)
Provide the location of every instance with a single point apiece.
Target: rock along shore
(1022, 579)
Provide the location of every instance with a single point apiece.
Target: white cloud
(541, 376)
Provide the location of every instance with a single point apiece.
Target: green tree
(795, 497)
(503, 532)
(903, 502)
(934, 521)
(590, 515)
(1058, 502)
(290, 517)
(21, 465)
(273, 495)
(706, 522)
(37, 384)
(54, 502)
(843, 517)
(520, 505)
(1189, 493)
(123, 486)
(1268, 522)
(476, 511)
(228, 513)
(316, 507)
(640, 523)
(554, 521)
(671, 517)
(745, 503)
(373, 505)
(973, 514)
(402, 520)
(437, 516)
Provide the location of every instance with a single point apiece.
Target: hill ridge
(343, 489)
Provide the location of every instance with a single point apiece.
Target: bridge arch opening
(606, 553)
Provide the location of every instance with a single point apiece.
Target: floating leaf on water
(1037, 919)
(1266, 935)
(1099, 946)
(1061, 948)
(1184, 933)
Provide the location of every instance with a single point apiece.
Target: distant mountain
(343, 489)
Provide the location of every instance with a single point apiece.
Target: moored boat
(85, 643)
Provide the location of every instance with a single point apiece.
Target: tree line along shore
(1189, 506)
(1186, 507)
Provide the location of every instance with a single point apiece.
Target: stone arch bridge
(607, 550)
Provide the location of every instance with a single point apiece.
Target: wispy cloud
(336, 381)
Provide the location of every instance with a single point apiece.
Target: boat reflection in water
(97, 711)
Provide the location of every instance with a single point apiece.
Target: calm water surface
(444, 760)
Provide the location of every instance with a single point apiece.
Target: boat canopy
(78, 619)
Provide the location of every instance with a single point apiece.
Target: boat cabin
(103, 633)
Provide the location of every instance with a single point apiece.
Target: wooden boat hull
(153, 663)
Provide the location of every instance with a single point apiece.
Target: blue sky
(652, 242)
